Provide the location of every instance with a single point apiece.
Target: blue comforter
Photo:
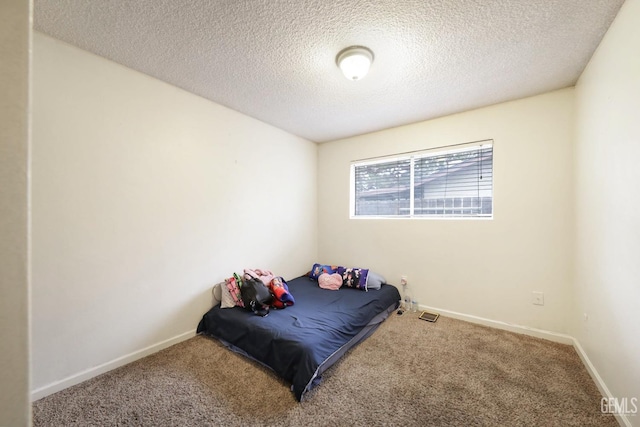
(296, 342)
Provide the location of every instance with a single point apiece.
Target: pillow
(375, 280)
(354, 277)
(318, 269)
(234, 291)
(225, 297)
(330, 281)
(217, 293)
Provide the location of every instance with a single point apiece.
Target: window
(449, 183)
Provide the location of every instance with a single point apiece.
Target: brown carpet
(409, 372)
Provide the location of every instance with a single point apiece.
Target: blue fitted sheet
(301, 341)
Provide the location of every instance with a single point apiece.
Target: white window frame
(413, 156)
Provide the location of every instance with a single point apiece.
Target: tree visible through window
(447, 183)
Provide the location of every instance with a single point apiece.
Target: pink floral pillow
(234, 290)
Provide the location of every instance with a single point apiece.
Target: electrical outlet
(404, 281)
(586, 317)
(537, 298)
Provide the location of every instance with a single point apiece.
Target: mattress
(301, 341)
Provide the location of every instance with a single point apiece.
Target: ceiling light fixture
(354, 61)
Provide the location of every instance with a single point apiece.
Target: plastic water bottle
(407, 303)
(414, 305)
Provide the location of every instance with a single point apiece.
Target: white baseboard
(108, 366)
(539, 333)
(623, 420)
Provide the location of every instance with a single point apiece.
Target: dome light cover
(354, 61)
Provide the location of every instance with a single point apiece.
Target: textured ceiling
(275, 59)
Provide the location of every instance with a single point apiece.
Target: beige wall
(607, 245)
(144, 196)
(485, 268)
(15, 40)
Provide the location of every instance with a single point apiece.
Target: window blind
(444, 183)
(382, 189)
